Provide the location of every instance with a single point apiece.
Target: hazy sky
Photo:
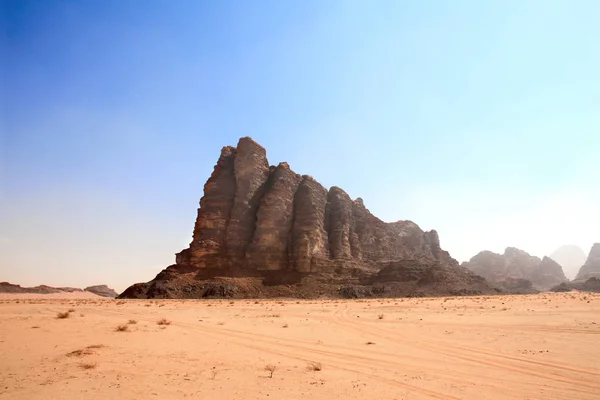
(480, 119)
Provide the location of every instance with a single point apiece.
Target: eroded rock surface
(266, 231)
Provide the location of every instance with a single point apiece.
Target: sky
(478, 119)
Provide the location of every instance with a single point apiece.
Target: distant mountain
(571, 258)
(100, 290)
(515, 265)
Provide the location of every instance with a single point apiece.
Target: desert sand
(504, 347)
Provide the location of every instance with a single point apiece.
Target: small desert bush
(163, 321)
(122, 328)
(71, 310)
(314, 366)
(80, 353)
(270, 368)
(90, 365)
(96, 346)
(63, 315)
(380, 316)
(132, 321)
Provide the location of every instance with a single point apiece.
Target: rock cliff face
(517, 264)
(266, 231)
(591, 268)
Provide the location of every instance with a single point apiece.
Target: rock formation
(570, 258)
(591, 268)
(101, 290)
(589, 285)
(516, 264)
(264, 231)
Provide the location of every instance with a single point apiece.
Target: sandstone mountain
(591, 268)
(517, 264)
(265, 231)
(570, 258)
(102, 290)
(6, 287)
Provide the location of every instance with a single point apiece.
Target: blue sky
(478, 119)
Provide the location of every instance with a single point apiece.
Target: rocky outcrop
(517, 286)
(266, 231)
(591, 268)
(102, 290)
(570, 258)
(516, 264)
(589, 285)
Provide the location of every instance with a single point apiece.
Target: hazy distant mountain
(514, 267)
(570, 258)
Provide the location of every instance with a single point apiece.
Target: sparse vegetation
(314, 366)
(90, 365)
(380, 316)
(96, 346)
(132, 321)
(122, 328)
(270, 368)
(80, 353)
(163, 321)
(63, 315)
(370, 342)
(35, 327)
(71, 310)
(285, 326)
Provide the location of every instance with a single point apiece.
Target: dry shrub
(132, 322)
(163, 321)
(314, 366)
(122, 328)
(63, 315)
(80, 353)
(270, 368)
(90, 365)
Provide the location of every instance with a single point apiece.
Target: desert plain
(543, 346)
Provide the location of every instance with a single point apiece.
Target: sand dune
(512, 347)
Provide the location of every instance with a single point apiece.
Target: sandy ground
(513, 347)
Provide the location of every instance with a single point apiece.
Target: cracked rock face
(271, 224)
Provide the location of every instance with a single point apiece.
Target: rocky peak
(265, 222)
(591, 268)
